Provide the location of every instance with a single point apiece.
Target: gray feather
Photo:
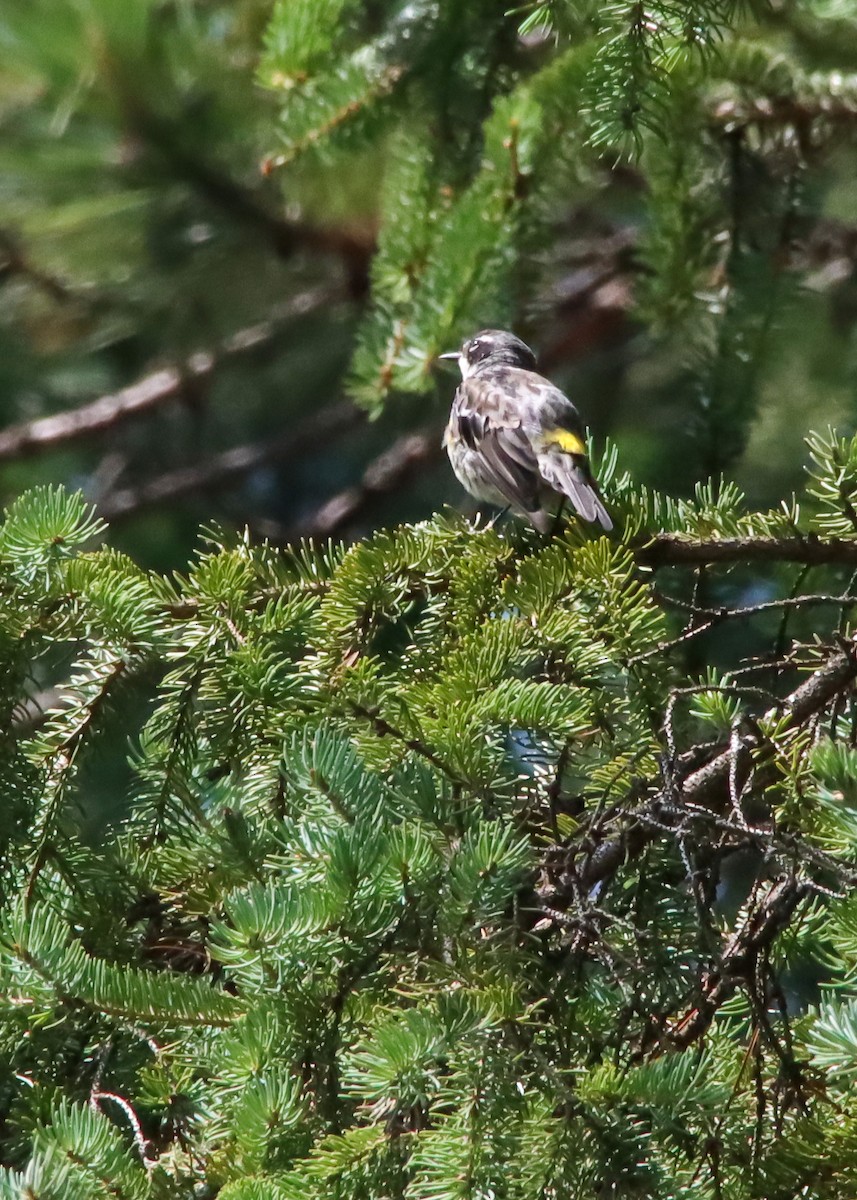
(570, 475)
(496, 438)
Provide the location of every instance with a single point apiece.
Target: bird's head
(492, 347)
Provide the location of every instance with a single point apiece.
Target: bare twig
(751, 610)
(386, 473)
(783, 110)
(141, 1142)
(45, 433)
(705, 786)
(737, 962)
(713, 616)
(229, 465)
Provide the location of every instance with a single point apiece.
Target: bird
(514, 439)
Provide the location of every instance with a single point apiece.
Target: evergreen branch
(673, 550)
(375, 89)
(332, 421)
(687, 635)
(179, 741)
(383, 729)
(150, 392)
(707, 786)
(115, 990)
(63, 757)
(737, 963)
(345, 761)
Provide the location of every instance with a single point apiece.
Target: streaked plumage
(514, 439)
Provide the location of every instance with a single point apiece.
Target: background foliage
(658, 196)
(455, 862)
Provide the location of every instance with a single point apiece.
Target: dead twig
(230, 465)
(672, 550)
(385, 474)
(149, 393)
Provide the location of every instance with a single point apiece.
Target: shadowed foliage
(447, 860)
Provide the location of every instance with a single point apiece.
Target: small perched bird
(514, 439)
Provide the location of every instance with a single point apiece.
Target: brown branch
(714, 616)
(752, 610)
(673, 550)
(387, 473)
(738, 960)
(812, 696)
(229, 465)
(783, 110)
(707, 786)
(706, 793)
(45, 433)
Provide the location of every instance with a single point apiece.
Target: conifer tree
(436, 871)
(658, 197)
(460, 861)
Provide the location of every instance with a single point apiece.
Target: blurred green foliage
(457, 862)
(659, 197)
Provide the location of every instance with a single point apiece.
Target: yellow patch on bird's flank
(565, 439)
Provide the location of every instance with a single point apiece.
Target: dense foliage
(433, 872)
(457, 862)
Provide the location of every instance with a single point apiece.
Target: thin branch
(673, 550)
(713, 616)
(387, 473)
(383, 729)
(783, 110)
(141, 1142)
(62, 759)
(706, 786)
(45, 433)
(832, 678)
(229, 465)
(750, 610)
(740, 954)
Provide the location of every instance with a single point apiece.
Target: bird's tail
(570, 475)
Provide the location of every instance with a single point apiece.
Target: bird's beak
(450, 354)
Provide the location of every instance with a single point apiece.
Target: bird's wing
(572, 475)
(529, 435)
(488, 422)
(560, 447)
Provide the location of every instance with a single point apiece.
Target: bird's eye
(475, 347)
